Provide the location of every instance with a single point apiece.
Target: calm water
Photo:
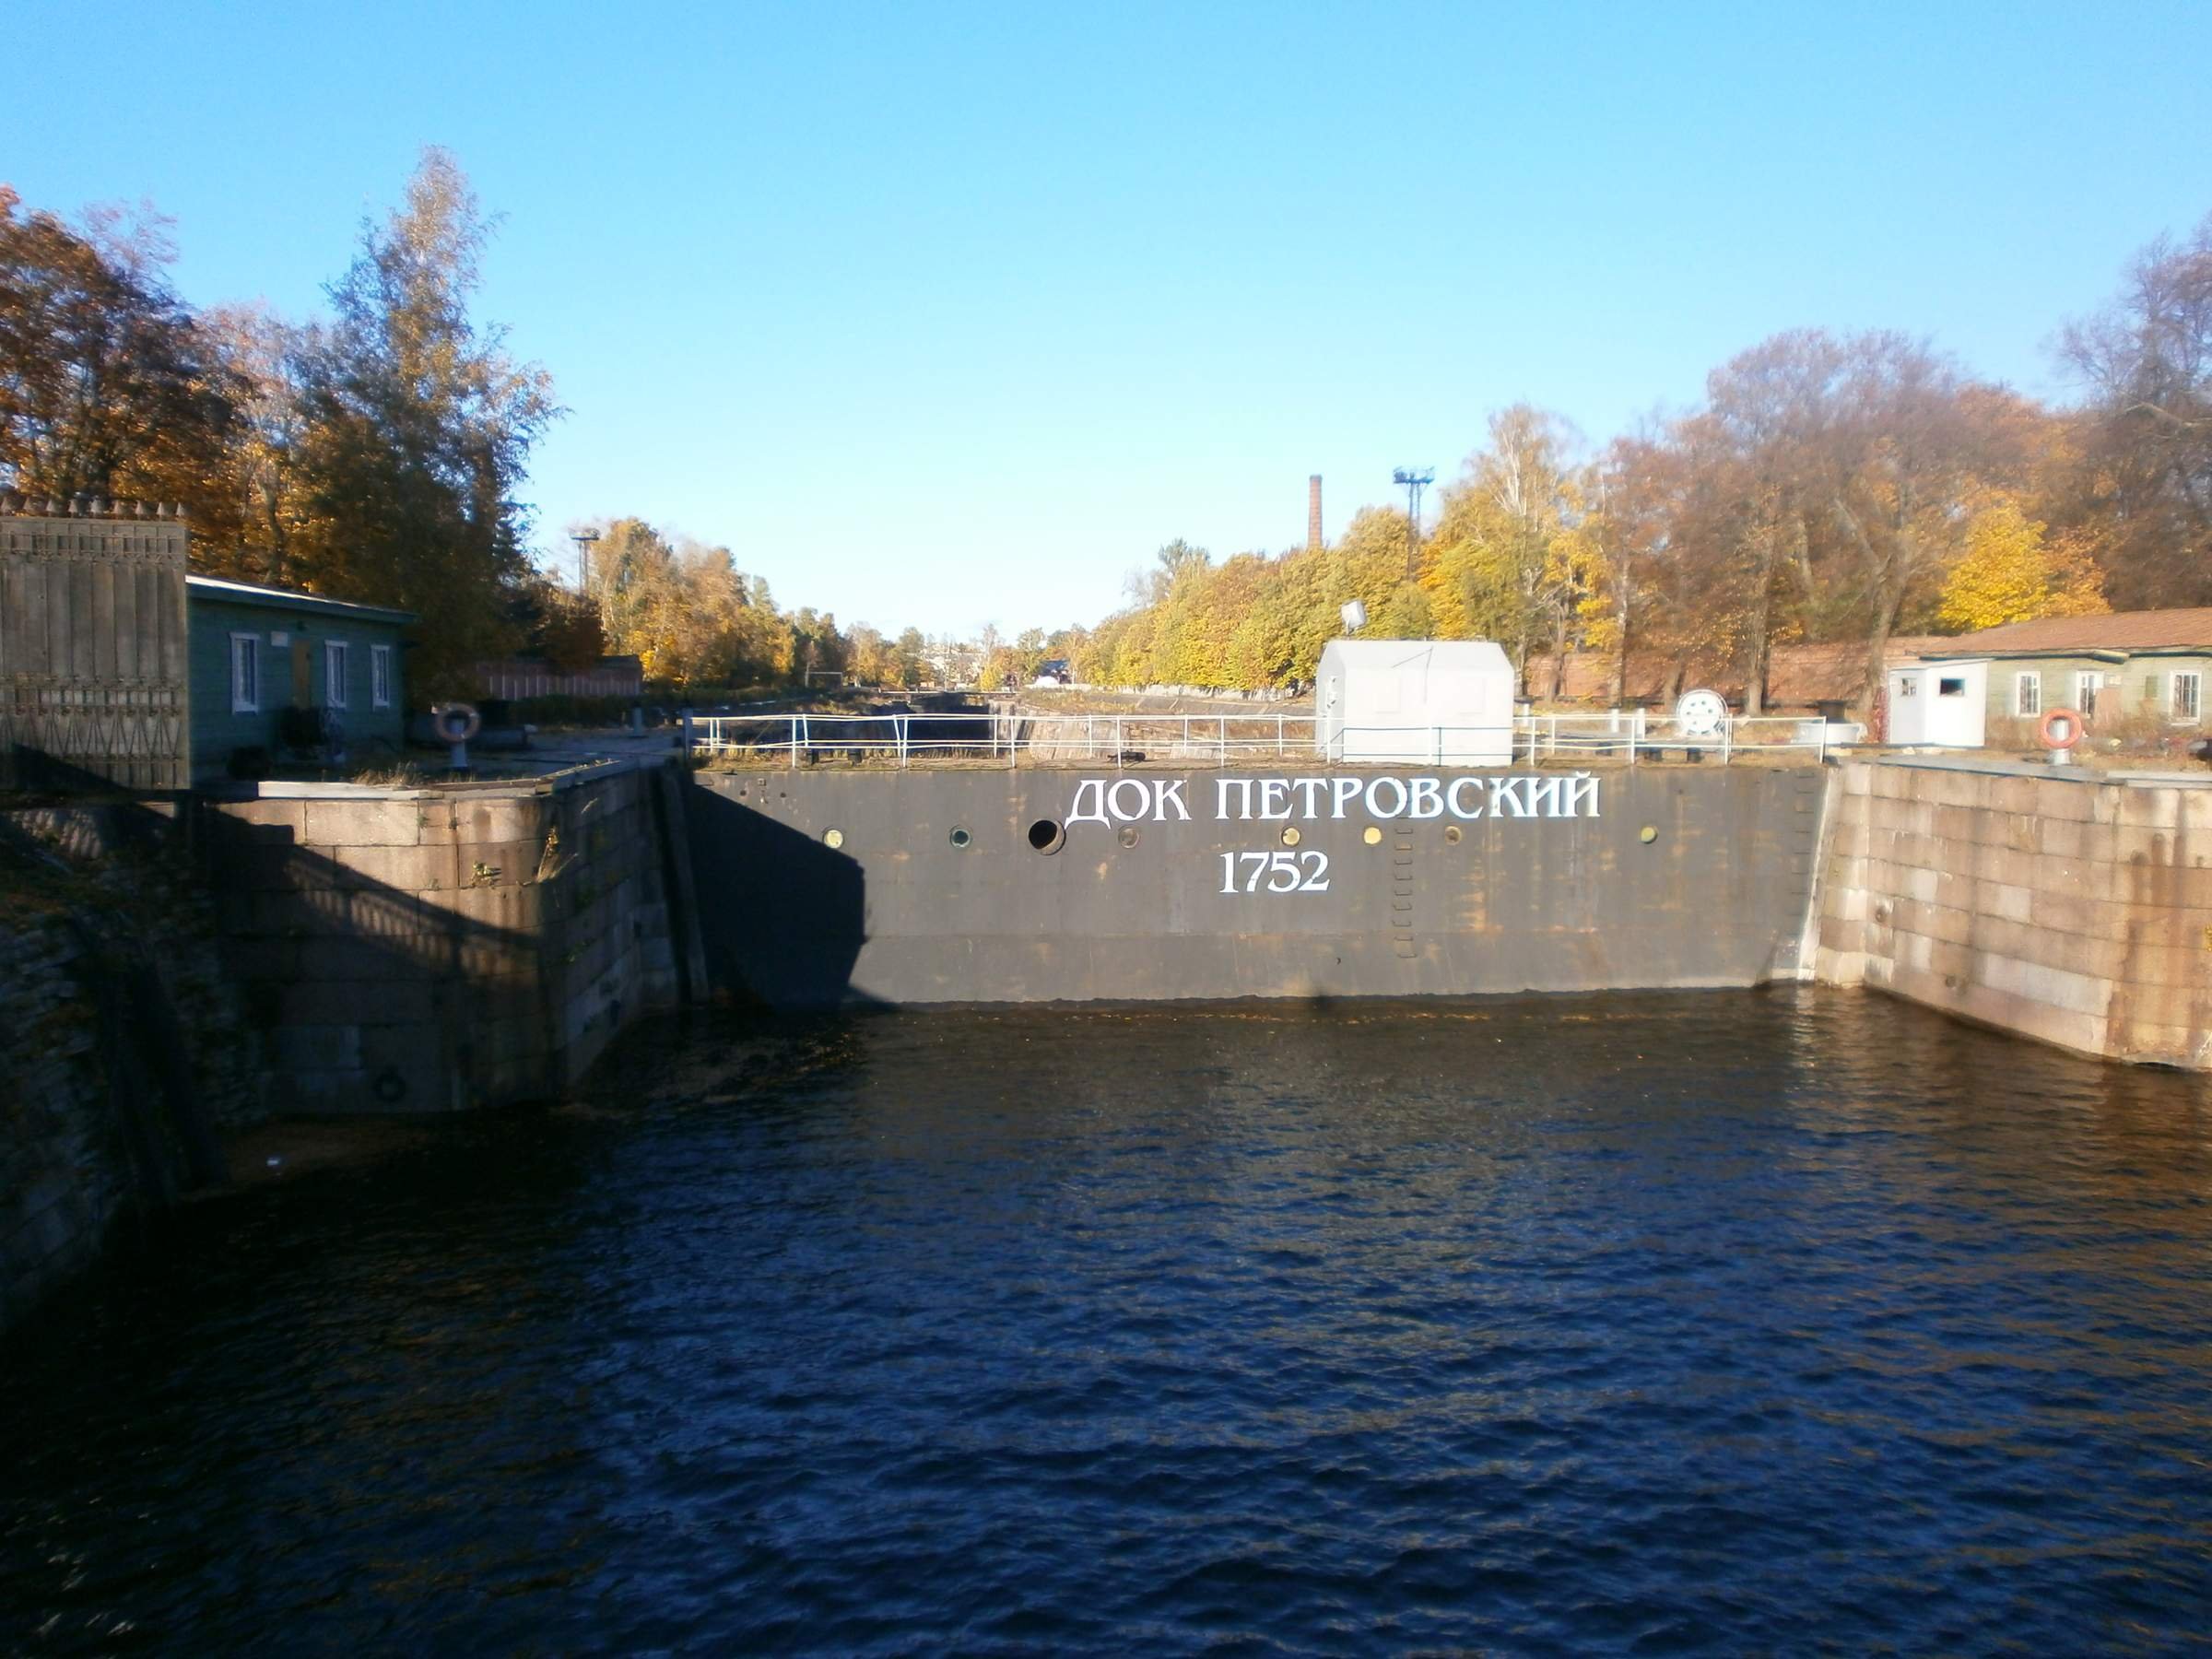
(1734, 1322)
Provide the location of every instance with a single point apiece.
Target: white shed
(1944, 705)
(1447, 702)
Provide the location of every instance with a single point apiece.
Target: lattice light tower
(584, 540)
(1416, 479)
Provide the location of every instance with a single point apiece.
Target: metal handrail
(1220, 737)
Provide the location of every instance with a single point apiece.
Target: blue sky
(947, 315)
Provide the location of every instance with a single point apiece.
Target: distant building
(513, 678)
(1447, 702)
(274, 671)
(1054, 671)
(2151, 665)
(1938, 704)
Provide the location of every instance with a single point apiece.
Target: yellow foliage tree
(2008, 572)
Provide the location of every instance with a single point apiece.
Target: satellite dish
(1354, 615)
(1700, 713)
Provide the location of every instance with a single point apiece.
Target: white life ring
(456, 722)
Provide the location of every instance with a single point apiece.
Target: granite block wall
(2072, 907)
(435, 949)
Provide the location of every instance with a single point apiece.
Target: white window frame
(2028, 694)
(2089, 686)
(338, 669)
(2195, 712)
(380, 676)
(245, 690)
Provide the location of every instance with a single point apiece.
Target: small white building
(1443, 702)
(1943, 705)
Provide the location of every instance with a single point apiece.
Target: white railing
(1135, 739)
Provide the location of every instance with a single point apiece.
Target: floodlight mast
(1416, 479)
(584, 540)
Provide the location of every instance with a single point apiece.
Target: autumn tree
(1506, 562)
(2011, 573)
(1904, 444)
(2144, 485)
(1767, 410)
(416, 428)
(109, 386)
(259, 474)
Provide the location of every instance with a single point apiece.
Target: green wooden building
(2145, 668)
(263, 658)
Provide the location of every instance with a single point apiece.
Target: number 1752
(1285, 872)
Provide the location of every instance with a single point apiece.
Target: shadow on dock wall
(425, 950)
(781, 916)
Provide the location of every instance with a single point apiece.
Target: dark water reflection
(1726, 1320)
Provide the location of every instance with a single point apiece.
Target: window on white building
(2188, 696)
(380, 676)
(245, 673)
(335, 662)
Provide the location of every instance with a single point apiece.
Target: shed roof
(1453, 654)
(246, 593)
(2122, 630)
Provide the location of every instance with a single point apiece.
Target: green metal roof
(245, 592)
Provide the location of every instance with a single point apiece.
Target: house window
(1907, 686)
(2028, 694)
(335, 664)
(2188, 696)
(2088, 682)
(1951, 688)
(245, 673)
(380, 676)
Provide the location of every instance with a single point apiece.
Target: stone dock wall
(124, 1051)
(2069, 906)
(172, 976)
(430, 949)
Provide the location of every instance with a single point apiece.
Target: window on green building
(2028, 694)
(245, 673)
(335, 665)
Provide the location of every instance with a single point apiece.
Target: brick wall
(2067, 906)
(438, 948)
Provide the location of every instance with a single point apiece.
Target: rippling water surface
(1719, 1321)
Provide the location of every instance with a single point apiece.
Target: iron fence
(1124, 740)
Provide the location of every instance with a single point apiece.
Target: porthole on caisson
(834, 838)
(1452, 833)
(1291, 835)
(1128, 837)
(1371, 836)
(1046, 835)
(959, 839)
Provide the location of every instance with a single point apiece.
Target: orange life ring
(2076, 726)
